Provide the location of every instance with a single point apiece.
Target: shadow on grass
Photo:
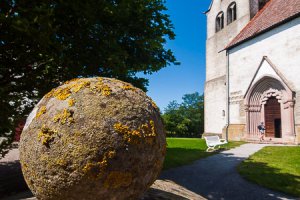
(176, 157)
(11, 178)
(270, 177)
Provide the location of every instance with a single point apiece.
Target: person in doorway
(261, 129)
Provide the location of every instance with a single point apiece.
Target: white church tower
(225, 20)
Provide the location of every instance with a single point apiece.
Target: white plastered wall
(215, 102)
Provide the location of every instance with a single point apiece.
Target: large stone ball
(93, 138)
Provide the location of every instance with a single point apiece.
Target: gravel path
(216, 177)
(11, 177)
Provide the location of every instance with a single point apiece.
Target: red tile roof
(274, 13)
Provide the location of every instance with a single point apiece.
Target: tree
(185, 119)
(44, 43)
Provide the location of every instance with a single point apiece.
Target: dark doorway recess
(277, 124)
(273, 118)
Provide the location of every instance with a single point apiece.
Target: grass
(277, 168)
(182, 151)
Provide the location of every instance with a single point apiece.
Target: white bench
(214, 141)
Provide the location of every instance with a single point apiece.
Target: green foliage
(185, 119)
(44, 43)
(277, 168)
(183, 151)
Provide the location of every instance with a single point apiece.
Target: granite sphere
(92, 138)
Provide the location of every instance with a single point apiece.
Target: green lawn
(276, 168)
(182, 151)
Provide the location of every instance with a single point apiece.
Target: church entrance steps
(269, 141)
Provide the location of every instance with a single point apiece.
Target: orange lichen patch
(100, 87)
(154, 105)
(89, 167)
(62, 93)
(150, 132)
(106, 91)
(118, 81)
(129, 136)
(99, 79)
(41, 111)
(111, 154)
(61, 162)
(98, 168)
(71, 102)
(44, 157)
(128, 87)
(66, 90)
(46, 135)
(146, 131)
(50, 94)
(153, 132)
(24, 165)
(116, 179)
(65, 117)
(80, 84)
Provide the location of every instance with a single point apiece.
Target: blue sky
(172, 82)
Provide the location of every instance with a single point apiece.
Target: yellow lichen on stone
(153, 132)
(128, 87)
(100, 87)
(50, 94)
(99, 167)
(71, 102)
(106, 91)
(41, 111)
(129, 136)
(150, 132)
(24, 165)
(146, 131)
(62, 93)
(154, 105)
(44, 157)
(117, 179)
(100, 79)
(46, 135)
(111, 154)
(65, 117)
(88, 167)
(80, 84)
(61, 162)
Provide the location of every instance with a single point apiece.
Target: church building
(253, 69)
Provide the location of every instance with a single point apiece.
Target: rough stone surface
(90, 138)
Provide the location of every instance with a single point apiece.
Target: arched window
(231, 12)
(220, 21)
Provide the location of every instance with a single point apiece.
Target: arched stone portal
(270, 101)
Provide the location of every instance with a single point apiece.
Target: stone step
(268, 141)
